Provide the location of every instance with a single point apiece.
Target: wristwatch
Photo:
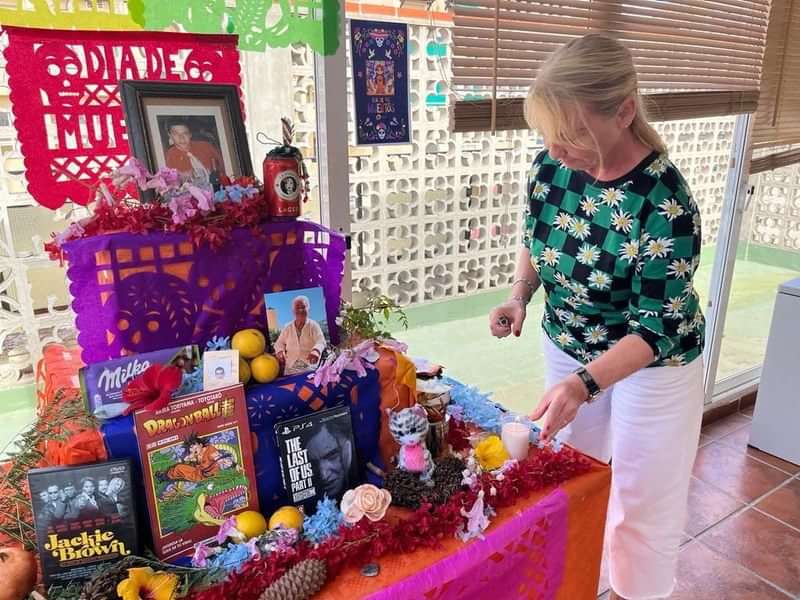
(589, 382)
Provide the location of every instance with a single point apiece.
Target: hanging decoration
(69, 15)
(65, 97)
(259, 24)
(380, 82)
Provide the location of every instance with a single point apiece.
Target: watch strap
(591, 385)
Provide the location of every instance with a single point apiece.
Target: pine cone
(300, 582)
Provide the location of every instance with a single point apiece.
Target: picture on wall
(196, 129)
(380, 82)
(298, 328)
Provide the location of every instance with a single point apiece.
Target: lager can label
(283, 186)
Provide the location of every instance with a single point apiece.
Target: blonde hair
(593, 72)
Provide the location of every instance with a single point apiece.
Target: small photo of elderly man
(298, 328)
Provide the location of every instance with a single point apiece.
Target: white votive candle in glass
(515, 438)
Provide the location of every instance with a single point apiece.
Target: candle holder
(435, 397)
(518, 433)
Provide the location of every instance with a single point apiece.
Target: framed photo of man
(298, 328)
(197, 129)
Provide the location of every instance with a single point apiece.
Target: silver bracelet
(522, 301)
(531, 287)
(527, 282)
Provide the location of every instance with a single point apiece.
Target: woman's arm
(626, 357)
(560, 403)
(509, 316)
(526, 279)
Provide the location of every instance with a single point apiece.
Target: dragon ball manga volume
(198, 467)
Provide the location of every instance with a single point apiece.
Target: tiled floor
(742, 538)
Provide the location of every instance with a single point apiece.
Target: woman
(613, 235)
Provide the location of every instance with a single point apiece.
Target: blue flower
(218, 343)
(235, 193)
(219, 196)
(232, 558)
(324, 523)
(472, 405)
(476, 407)
(191, 382)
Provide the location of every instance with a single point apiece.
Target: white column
(330, 74)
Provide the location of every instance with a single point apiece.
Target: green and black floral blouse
(616, 258)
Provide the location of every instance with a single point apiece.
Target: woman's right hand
(507, 318)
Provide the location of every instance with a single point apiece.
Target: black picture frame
(135, 97)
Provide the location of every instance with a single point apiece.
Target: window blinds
(777, 121)
(710, 46)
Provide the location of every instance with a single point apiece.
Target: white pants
(649, 423)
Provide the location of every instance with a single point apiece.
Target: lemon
(251, 523)
(265, 368)
(244, 371)
(289, 517)
(249, 342)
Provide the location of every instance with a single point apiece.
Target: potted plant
(370, 321)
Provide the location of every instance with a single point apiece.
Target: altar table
(548, 546)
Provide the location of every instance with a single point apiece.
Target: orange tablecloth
(588, 499)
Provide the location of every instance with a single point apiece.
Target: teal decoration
(312, 22)
(436, 50)
(475, 97)
(438, 98)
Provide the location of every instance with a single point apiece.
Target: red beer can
(284, 182)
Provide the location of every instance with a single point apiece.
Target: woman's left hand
(559, 405)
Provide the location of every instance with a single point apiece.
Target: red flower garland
(212, 228)
(426, 528)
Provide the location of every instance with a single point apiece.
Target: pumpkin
(18, 570)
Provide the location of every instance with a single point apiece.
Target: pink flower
(204, 197)
(182, 208)
(357, 359)
(227, 529)
(162, 181)
(201, 556)
(134, 169)
(169, 176)
(365, 501)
